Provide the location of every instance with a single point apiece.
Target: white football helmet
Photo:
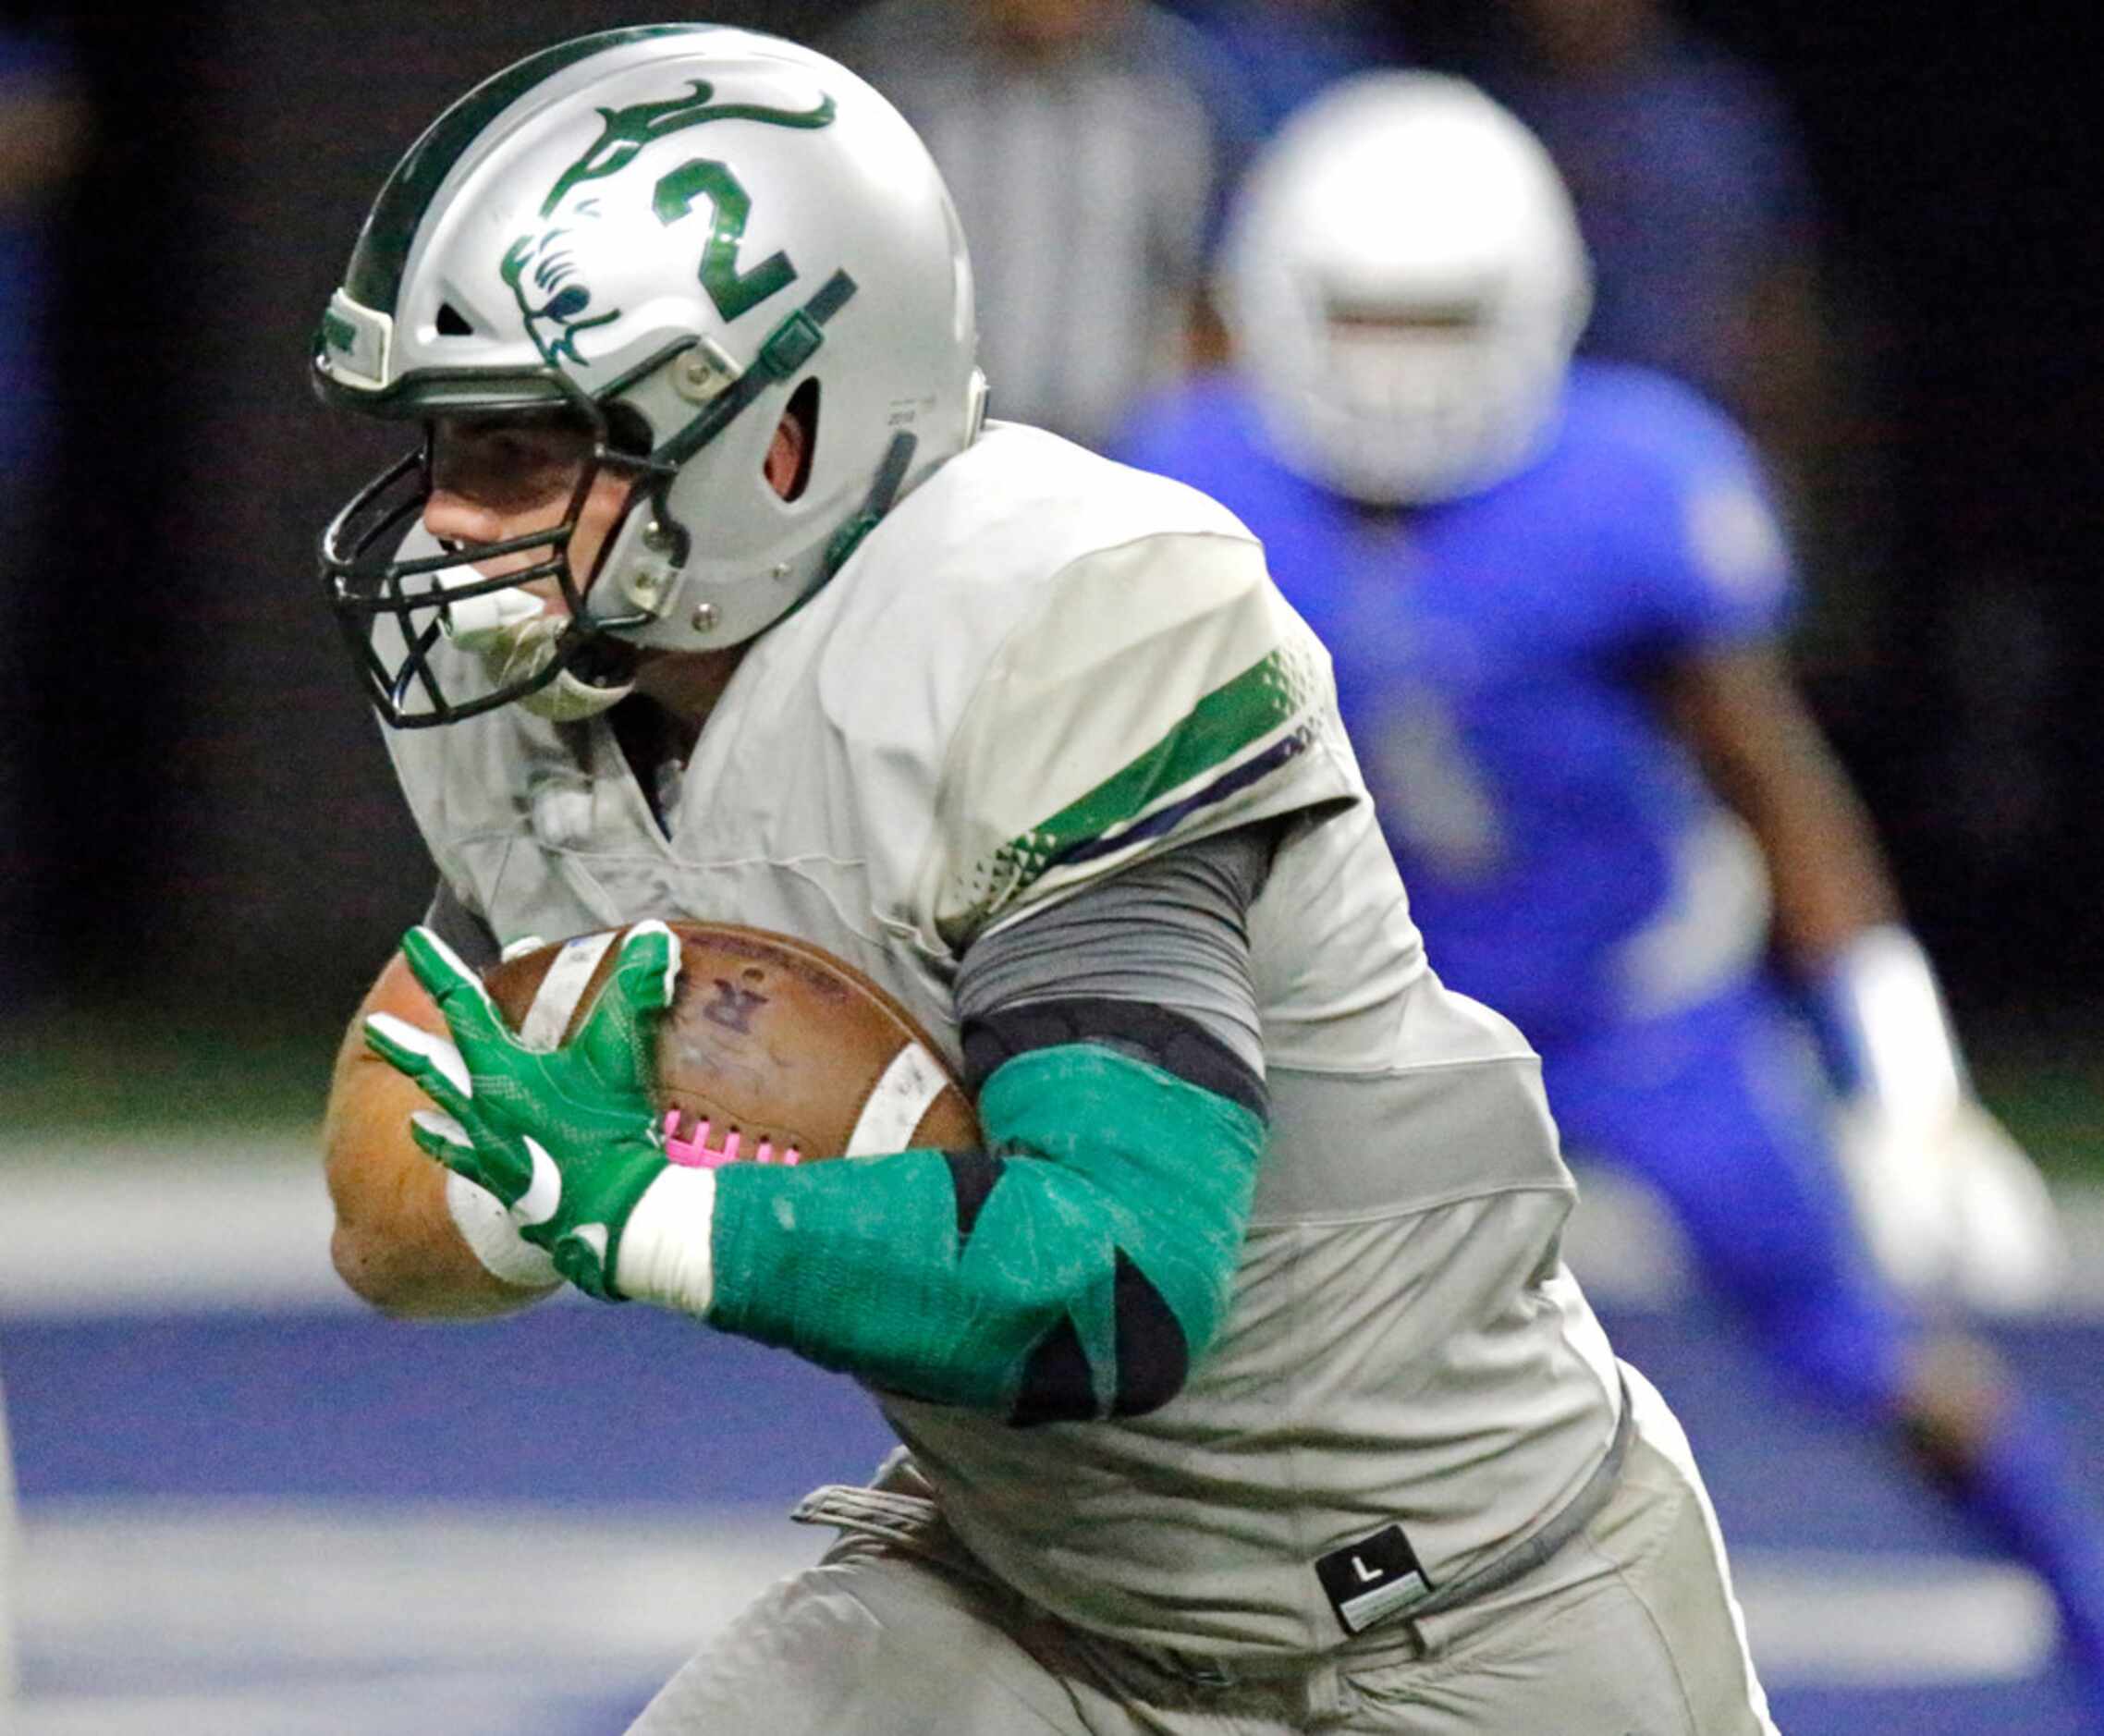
(671, 233)
(1404, 284)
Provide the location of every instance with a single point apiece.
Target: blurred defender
(1554, 591)
(1243, 1382)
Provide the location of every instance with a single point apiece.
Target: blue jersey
(1497, 660)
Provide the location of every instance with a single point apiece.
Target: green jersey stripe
(1234, 720)
(375, 278)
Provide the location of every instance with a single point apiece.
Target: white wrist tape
(1882, 999)
(495, 1240)
(664, 1255)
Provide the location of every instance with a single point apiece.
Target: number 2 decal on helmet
(541, 264)
(731, 290)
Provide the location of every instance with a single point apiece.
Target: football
(774, 1051)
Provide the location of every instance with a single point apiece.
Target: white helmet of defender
(670, 234)
(1404, 283)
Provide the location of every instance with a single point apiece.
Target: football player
(1554, 591)
(1238, 1375)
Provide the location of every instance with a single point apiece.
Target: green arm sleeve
(1076, 1268)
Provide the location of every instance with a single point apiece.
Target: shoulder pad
(1161, 690)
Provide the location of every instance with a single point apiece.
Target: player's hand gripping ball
(578, 1072)
(775, 1051)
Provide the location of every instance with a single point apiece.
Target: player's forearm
(1827, 873)
(397, 1240)
(1866, 980)
(1767, 757)
(1081, 1273)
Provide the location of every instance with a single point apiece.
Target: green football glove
(564, 1139)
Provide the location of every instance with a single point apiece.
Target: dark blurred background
(205, 825)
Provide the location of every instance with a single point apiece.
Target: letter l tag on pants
(1369, 1579)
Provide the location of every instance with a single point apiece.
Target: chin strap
(883, 490)
(785, 350)
(571, 699)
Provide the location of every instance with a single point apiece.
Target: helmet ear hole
(802, 412)
(628, 431)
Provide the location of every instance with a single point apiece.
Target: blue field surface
(271, 1511)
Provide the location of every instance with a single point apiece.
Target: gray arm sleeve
(1170, 933)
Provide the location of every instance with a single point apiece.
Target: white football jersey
(1041, 667)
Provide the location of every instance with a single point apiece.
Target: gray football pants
(1630, 1630)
